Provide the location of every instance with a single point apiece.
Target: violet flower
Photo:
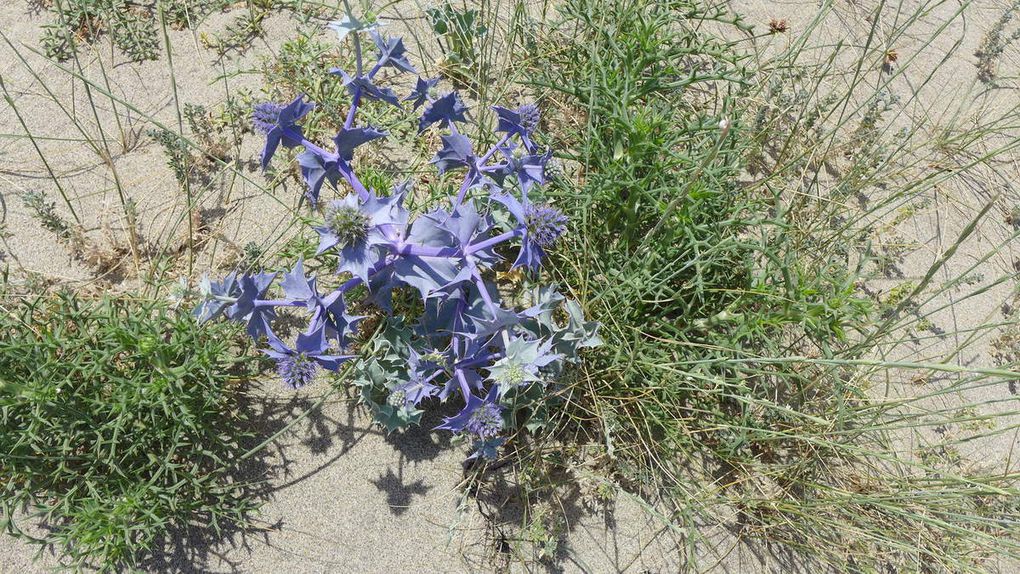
(482, 418)
(541, 225)
(480, 341)
(360, 229)
(316, 170)
(278, 123)
(298, 366)
(521, 121)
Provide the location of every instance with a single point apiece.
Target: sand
(344, 496)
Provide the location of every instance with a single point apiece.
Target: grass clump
(722, 232)
(118, 426)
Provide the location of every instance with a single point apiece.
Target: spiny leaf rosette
(466, 346)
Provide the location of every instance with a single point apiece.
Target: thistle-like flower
(296, 370)
(298, 366)
(480, 417)
(347, 223)
(544, 224)
(486, 421)
(522, 122)
(278, 123)
(265, 116)
(477, 344)
(541, 225)
(361, 229)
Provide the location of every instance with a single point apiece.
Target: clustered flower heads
(467, 346)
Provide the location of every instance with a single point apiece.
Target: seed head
(265, 116)
(397, 398)
(486, 421)
(512, 376)
(348, 223)
(545, 224)
(296, 370)
(778, 25)
(529, 117)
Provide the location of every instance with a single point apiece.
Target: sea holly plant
(497, 363)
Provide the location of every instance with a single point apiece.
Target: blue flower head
(298, 366)
(278, 123)
(542, 225)
(360, 229)
(521, 122)
(482, 418)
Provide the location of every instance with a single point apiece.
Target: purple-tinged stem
(308, 145)
(491, 168)
(468, 363)
(492, 150)
(465, 388)
(353, 180)
(279, 303)
(469, 180)
(355, 281)
(422, 250)
(355, 101)
(484, 291)
(493, 241)
(348, 174)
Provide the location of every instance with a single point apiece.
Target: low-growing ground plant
(120, 426)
